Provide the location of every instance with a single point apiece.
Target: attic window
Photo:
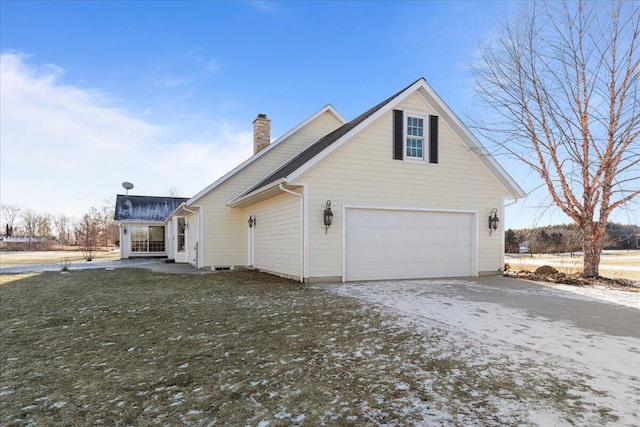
(415, 136)
(414, 141)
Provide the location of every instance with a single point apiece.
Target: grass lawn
(613, 264)
(133, 347)
(16, 258)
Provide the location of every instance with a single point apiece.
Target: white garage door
(397, 244)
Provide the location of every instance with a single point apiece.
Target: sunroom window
(147, 238)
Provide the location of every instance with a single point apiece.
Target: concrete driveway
(153, 264)
(594, 336)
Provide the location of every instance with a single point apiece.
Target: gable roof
(145, 208)
(326, 109)
(308, 158)
(316, 148)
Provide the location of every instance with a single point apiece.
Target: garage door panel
(395, 244)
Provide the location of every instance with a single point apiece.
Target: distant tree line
(567, 238)
(27, 229)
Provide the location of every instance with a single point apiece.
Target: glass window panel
(156, 239)
(139, 238)
(182, 226)
(414, 147)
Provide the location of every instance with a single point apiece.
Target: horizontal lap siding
(363, 172)
(225, 236)
(277, 235)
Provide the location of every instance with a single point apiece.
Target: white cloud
(65, 148)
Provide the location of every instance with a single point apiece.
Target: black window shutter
(398, 134)
(433, 139)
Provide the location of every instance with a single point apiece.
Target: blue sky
(163, 94)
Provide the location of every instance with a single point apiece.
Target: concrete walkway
(151, 264)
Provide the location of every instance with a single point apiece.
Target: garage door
(399, 244)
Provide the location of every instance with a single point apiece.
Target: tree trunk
(592, 241)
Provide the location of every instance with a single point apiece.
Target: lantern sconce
(328, 216)
(252, 220)
(124, 230)
(493, 220)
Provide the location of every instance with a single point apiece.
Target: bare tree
(30, 225)
(9, 214)
(108, 227)
(44, 230)
(87, 232)
(63, 228)
(561, 81)
(173, 192)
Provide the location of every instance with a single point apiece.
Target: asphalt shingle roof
(317, 147)
(145, 208)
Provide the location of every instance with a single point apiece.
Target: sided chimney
(261, 133)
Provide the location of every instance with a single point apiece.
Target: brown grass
(132, 347)
(613, 264)
(12, 259)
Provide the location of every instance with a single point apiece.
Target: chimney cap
(262, 116)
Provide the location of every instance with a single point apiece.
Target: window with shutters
(414, 140)
(415, 136)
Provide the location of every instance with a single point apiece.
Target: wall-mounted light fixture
(493, 220)
(252, 220)
(125, 230)
(328, 216)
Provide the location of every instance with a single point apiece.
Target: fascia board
(176, 210)
(237, 200)
(140, 221)
(326, 109)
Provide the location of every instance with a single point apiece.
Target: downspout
(302, 257)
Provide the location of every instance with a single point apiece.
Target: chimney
(261, 133)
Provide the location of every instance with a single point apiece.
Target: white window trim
(425, 136)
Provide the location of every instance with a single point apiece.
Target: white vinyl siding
(457, 182)
(137, 241)
(277, 235)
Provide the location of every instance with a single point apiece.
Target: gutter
(241, 198)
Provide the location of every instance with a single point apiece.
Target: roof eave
(248, 199)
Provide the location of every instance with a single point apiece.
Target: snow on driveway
(532, 320)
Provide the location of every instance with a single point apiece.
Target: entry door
(181, 239)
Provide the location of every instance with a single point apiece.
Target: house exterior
(142, 222)
(408, 187)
